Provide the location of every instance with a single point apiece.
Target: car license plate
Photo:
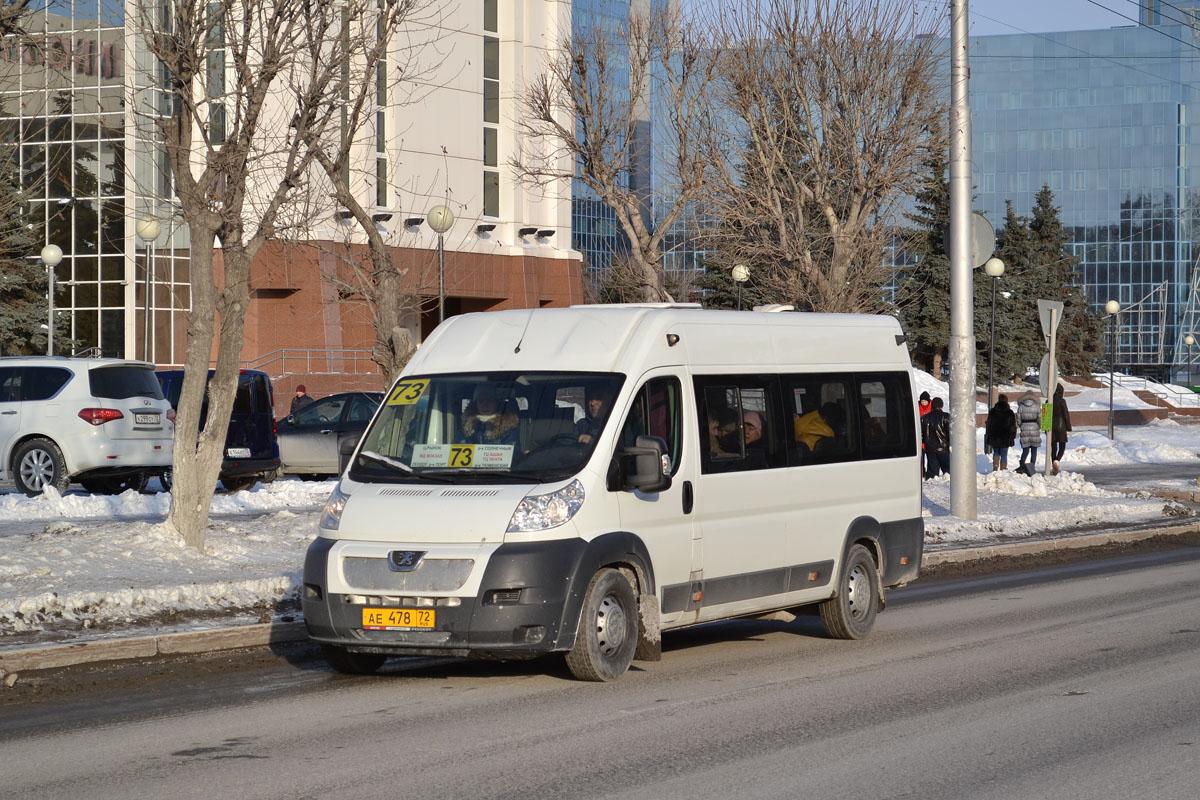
(237, 452)
(146, 419)
(382, 619)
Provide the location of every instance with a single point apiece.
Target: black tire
(352, 663)
(167, 478)
(239, 483)
(37, 464)
(850, 614)
(608, 629)
(137, 481)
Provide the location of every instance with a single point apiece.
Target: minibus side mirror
(644, 467)
(345, 450)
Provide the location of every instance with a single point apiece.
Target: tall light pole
(1112, 307)
(741, 274)
(51, 256)
(148, 229)
(994, 268)
(440, 218)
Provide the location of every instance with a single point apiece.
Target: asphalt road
(1076, 681)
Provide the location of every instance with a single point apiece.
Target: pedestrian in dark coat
(999, 432)
(1029, 413)
(301, 400)
(1059, 427)
(935, 436)
(923, 408)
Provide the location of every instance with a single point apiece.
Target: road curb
(1048, 545)
(67, 655)
(262, 634)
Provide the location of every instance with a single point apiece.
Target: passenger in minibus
(484, 422)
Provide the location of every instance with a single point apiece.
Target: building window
(1056, 180)
(1156, 177)
(380, 138)
(1126, 137)
(1157, 132)
(490, 147)
(491, 193)
(381, 189)
(1022, 140)
(989, 143)
(1056, 139)
(1126, 179)
(1079, 180)
(489, 15)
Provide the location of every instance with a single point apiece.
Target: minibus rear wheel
(343, 660)
(850, 613)
(607, 635)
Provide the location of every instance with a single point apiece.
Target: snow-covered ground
(81, 562)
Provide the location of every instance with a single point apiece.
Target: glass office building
(1109, 120)
(86, 178)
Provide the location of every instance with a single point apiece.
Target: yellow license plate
(382, 619)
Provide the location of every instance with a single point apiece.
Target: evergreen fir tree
(22, 279)
(1019, 343)
(1079, 339)
(924, 296)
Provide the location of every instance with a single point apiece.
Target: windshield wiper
(386, 461)
(399, 466)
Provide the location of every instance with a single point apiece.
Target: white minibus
(579, 480)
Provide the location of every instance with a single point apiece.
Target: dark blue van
(251, 446)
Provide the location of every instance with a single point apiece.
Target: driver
(589, 427)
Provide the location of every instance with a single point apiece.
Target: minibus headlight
(539, 512)
(331, 517)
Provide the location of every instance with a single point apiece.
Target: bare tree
(832, 102)
(13, 15)
(593, 105)
(383, 62)
(250, 84)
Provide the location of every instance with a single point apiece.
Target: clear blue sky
(989, 17)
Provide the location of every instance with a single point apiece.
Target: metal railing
(307, 361)
(1179, 398)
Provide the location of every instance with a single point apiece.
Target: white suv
(100, 421)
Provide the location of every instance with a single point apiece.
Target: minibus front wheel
(607, 635)
(850, 613)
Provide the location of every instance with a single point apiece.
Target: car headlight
(331, 517)
(539, 512)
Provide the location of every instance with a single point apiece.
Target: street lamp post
(148, 229)
(741, 274)
(994, 268)
(1112, 307)
(51, 256)
(440, 219)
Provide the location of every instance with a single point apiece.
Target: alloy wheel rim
(37, 469)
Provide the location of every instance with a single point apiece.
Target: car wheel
(352, 663)
(37, 464)
(239, 483)
(607, 635)
(136, 481)
(167, 478)
(850, 613)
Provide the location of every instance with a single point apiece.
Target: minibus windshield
(522, 427)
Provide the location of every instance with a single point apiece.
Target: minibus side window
(656, 411)
(886, 414)
(823, 430)
(739, 423)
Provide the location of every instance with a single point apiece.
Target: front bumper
(516, 613)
